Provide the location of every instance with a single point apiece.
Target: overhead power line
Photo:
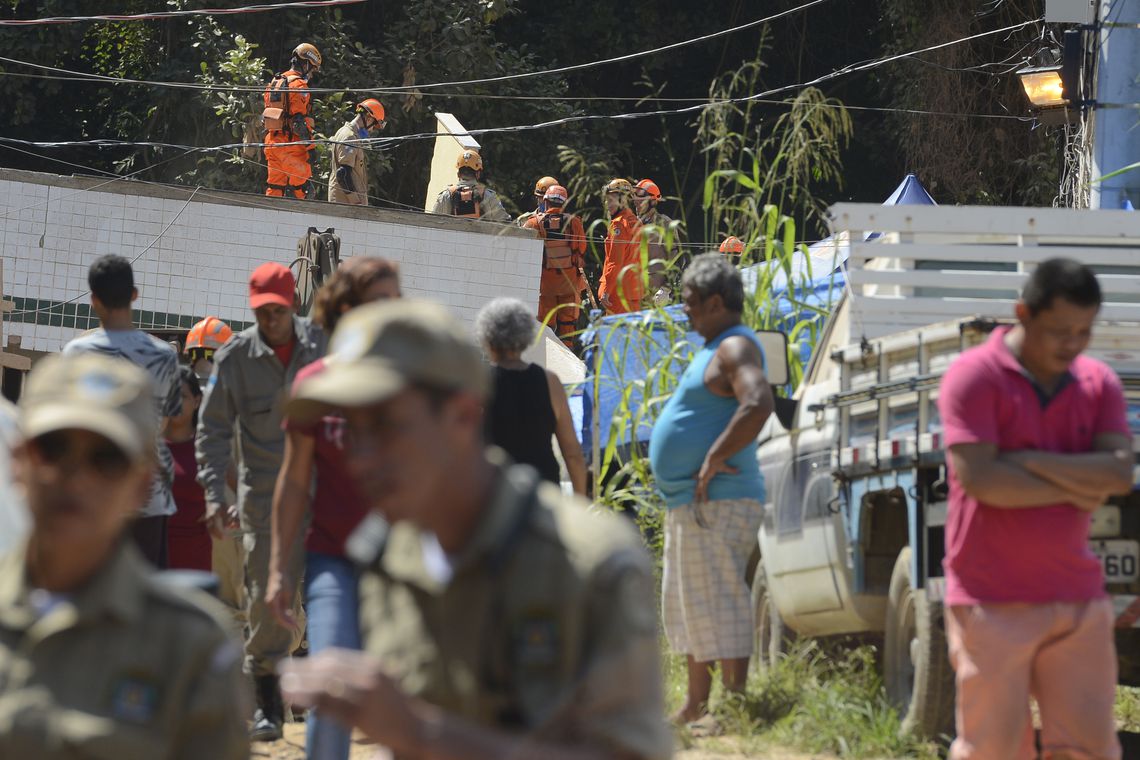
(761, 97)
(428, 85)
(386, 141)
(159, 15)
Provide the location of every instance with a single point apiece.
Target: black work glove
(344, 177)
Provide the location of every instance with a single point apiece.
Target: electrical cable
(618, 99)
(758, 97)
(114, 177)
(432, 85)
(150, 245)
(158, 15)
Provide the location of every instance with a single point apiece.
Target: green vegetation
(817, 699)
(654, 351)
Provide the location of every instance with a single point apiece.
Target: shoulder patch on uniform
(134, 699)
(537, 639)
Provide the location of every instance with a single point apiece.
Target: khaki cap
(94, 392)
(381, 348)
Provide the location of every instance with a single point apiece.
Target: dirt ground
(292, 747)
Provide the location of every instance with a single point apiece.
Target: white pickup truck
(852, 537)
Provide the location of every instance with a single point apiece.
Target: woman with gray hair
(528, 403)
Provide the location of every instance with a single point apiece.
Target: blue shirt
(690, 423)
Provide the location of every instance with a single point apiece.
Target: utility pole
(1116, 121)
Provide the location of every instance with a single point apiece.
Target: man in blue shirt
(703, 455)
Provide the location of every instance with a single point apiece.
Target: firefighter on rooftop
(469, 197)
(287, 121)
(348, 179)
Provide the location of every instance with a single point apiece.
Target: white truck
(852, 536)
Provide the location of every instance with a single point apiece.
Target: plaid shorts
(706, 604)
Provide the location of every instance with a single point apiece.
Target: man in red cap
(252, 376)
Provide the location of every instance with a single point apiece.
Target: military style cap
(381, 348)
(94, 392)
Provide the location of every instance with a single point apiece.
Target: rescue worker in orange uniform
(620, 288)
(286, 119)
(540, 189)
(469, 197)
(563, 249)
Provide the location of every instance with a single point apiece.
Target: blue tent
(626, 349)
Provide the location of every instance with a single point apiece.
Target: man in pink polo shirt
(1037, 438)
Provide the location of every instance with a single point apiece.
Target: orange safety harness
(466, 200)
(556, 251)
(277, 116)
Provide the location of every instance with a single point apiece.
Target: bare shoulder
(738, 351)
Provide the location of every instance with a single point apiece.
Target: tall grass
(816, 699)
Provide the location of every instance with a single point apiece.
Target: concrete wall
(195, 250)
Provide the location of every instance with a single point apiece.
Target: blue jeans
(332, 603)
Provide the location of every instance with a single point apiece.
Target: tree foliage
(382, 45)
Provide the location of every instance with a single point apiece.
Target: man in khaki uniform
(252, 375)
(99, 657)
(469, 197)
(348, 177)
(501, 618)
(656, 226)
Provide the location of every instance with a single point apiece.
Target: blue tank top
(689, 424)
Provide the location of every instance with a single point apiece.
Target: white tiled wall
(194, 256)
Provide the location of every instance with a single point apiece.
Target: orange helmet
(556, 195)
(648, 188)
(211, 334)
(732, 244)
(543, 185)
(308, 52)
(374, 108)
(471, 159)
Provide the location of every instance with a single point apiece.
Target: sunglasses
(60, 448)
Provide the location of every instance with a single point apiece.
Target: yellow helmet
(470, 159)
(308, 52)
(543, 185)
(619, 186)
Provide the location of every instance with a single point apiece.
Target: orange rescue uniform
(562, 280)
(621, 274)
(289, 168)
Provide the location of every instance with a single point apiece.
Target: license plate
(1120, 560)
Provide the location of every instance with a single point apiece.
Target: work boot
(270, 712)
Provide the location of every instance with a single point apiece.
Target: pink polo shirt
(1038, 554)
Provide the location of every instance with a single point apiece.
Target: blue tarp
(629, 346)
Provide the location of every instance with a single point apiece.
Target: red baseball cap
(271, 283)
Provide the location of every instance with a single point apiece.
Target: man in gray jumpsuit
(252, 376)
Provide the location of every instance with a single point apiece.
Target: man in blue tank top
(703, 455)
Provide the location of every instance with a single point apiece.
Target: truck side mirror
(775, 345)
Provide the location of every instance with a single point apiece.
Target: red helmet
(556, 195)
(211, 334)
(648, 188)
(732, 244)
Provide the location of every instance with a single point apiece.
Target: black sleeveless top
(520, 418)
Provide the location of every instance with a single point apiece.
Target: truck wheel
(916, 666)
(770, 638)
